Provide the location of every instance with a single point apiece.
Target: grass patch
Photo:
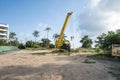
(86, 50)
(88, 61)
(104, 57)
(36, 49)
(65, 52)
(39, 53)
(75, 50)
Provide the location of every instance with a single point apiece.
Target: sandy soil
(22, 65)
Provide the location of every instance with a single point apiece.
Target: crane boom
(59, 41)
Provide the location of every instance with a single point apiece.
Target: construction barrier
(7, 48)
(116, 50)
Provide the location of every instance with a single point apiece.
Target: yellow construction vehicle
(60, 42)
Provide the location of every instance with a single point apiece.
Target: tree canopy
(105, 41)
(36, 34)
(86, 42)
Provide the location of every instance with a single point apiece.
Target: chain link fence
(7, 48)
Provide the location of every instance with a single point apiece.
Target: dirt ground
(22, 65)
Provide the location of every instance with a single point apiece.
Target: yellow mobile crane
(60, 42)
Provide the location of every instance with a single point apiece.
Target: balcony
(3, 34)
(4, 25)
(4, 38)
(3, 30)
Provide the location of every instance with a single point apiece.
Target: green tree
(13, 40)
(12, 36)
(86, 42)
(100, 41)
(21, 46)
(111, 38)
(45, 42)
(3, 42)
(29, 44)
(32, 44)
(105, 41)
(35, 34)
(48, 29)
(51, 45)
(14, 43)
(55, 36)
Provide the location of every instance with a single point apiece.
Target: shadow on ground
(53, 72)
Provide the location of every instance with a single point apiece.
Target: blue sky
(25, 16)
(90, 17)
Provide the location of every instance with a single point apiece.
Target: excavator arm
(60, 40)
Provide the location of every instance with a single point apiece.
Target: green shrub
(32, 44)
(29, 44)
(39, 53)
(14, 43)
(84, 50)
(98, 50)
(88, 61)
(75, 50)
(35, 45)
(51, 46)
(3, 43)
(102, 57)
(21, 46)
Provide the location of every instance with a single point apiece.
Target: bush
(35, 45)
(75, 50)
(51, 46)
(98, 50)
(14, 43)
(21, 46)
(29, 44)
(3, 43)
(32, 44)
(85, 50)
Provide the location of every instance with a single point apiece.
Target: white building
(4, 31)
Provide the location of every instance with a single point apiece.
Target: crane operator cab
(66, 45)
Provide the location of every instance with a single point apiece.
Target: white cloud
(94, 3)
(100, 16)
(111, 5)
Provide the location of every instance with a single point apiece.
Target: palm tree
(12, 36)
(55, 36)
(86, 42)
(72, 37)
(47, 29)
(64, 36)
(35, 34)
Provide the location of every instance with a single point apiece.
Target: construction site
(66, 46)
